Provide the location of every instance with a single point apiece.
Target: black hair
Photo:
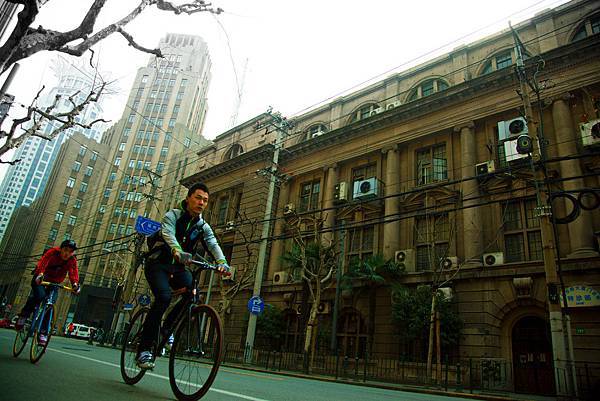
(199, 185)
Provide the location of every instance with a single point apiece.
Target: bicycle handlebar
(57, 285)
(204, 265)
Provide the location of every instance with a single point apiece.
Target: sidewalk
(476, 395)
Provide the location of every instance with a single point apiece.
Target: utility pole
(280, 125)
(544, 213)
(129, 281)
(338, 289)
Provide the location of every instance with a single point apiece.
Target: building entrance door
(532, 357)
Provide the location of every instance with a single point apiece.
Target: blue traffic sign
(128, 307)
(146, 226)
(144, 299)
(256, 305)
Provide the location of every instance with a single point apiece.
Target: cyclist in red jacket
(53, 267)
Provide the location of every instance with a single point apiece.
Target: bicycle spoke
(130, 372)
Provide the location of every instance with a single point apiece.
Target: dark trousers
(38, 293)
(161, 278)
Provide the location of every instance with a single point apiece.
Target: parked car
(9, 323)
(79, 331)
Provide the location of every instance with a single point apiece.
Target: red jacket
(55, 269)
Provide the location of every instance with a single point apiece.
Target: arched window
(591, 26)
(501, 60)
(364, 112)
(235, 150)
(427, 88)
(315, 130)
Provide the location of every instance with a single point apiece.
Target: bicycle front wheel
(21, 340)
(130, 372)
(196, 353)
(43, 326)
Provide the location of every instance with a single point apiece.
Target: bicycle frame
(49, 299)
(193, 301)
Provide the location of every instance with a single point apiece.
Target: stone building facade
(422, 167)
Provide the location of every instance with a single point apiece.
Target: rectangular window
(117, 161)
(122, 146)
(102, 209)
(77, 204)
(83, 187)
(82, 150)
(70, 182)
(88, 171)
(52, 234)
(222, 210)
(76, 166)
(309, 196)
(360, 243)
(522, 234)
(432, 165)
(59, 216)
(164, 151)
(72, 220)
(131, 118)
(107, 192)
(427, 88)
(144, 79)
(432, 236)
(112, 228)
(172, 122)
(65, 199)
(122, 195)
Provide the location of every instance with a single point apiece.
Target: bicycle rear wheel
(21, 340)
(130, 372)
(43, 325)
(196, 353)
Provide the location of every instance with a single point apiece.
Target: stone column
(278, 244)
(391, 230)
(471, 216)
(330, 179)
(581, 234)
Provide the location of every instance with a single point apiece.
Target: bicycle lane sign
(256, 305)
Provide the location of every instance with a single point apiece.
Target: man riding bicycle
(182, 231)
(52, 267)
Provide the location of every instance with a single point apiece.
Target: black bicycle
(197, 349)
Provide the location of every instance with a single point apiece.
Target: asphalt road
(73, 370)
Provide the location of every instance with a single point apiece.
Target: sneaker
(20, 323)
(145, 360)
(42, 339)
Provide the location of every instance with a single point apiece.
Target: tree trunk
(311, 327)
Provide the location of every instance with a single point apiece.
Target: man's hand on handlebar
(223, 268)
(184, 258)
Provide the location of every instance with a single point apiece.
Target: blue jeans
(38, 293)
(161, 278)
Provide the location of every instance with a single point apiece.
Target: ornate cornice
(262, 153)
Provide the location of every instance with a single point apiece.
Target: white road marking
(216, 390)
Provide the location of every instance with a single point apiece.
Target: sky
(291, 55)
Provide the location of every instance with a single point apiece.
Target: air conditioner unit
(446, 292)
(508, 133)
(376, 111)
(324, 307)
(230, 226)
(365, 188)
(493, 259)
(280, 278)
(289, 209)
(512, 128)
(316, 134)
(391, 105)
(405, 259)
(341, 192)
(485, 168)
(450, 262)
(590, 132)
